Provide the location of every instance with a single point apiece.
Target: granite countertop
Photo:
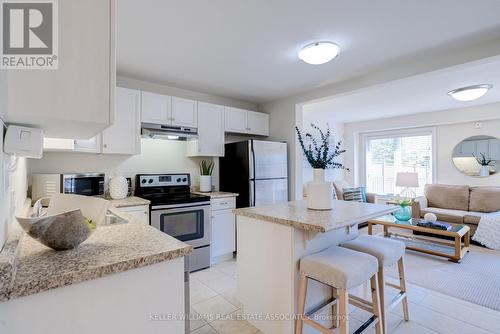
(110, 249)
(296, 214)
(128, 201)
(216, 194)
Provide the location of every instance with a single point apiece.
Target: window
(387, 154)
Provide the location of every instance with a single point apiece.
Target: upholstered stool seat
(388, 252)
(341, 269)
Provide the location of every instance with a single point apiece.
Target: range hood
(170, 132)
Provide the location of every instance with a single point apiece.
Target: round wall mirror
(477, 156)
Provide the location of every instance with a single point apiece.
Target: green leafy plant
(482, 160)
(318, 151)
(404, 202)
(206, 168)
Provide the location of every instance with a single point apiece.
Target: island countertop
(297, 215)
(110, 249)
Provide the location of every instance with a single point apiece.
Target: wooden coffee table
(454, 250)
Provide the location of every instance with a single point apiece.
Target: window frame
(365, 137)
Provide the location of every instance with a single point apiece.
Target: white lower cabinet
(223, 229)
(140, 211)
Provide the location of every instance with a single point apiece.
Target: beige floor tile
(233, 327)
(410, 327)
(196, 321)
(207, 274)
(463, 312)
(232, 297)
(199, 292)
(227, 267)
(221, 284)
(207, 329)
(214, 308)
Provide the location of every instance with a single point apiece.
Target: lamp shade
(407, 180)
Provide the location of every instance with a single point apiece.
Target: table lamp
(407, 181)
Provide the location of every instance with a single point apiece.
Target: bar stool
(388, 252)
(341, 269)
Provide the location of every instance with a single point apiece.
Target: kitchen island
(271, 242)
(126, 278)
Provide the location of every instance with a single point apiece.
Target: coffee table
(454, 250)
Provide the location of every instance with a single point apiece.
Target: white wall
(452, 126)
(157, 156)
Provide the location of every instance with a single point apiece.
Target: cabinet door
(495, 149)
(482, 146)
(76, 99)
(468, 148)
(123, 137)
(210, 130)
(258, 123)
(223, 233)
(184, 112)
(235, 120)
(141, 212)
(155, 108)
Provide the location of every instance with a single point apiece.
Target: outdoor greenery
(206, 168)
(318, 151)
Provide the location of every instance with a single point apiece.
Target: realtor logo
(29, 34)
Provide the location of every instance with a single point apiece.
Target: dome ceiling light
(469, 93)
(318, 53)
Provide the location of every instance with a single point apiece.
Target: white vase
(319, 192)
(118, 187)
(485, 171)
(205, 183)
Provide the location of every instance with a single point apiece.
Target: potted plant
(206, 169)
(404, 211)
(321, 155)
(485, 164)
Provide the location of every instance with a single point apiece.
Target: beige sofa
(339, 187)
(457, 204)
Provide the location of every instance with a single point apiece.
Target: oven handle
(185, 205)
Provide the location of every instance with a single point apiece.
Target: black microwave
(88, 184)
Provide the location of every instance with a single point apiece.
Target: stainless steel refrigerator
(257, 170)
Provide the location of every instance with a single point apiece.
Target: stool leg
(376, 304)
(299, 323)
(381, 291)
(334, 308)
(343, 298)
(402, 284)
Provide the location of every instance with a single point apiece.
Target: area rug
(476, 279)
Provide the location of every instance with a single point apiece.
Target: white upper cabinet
(184, 112)
(92, 145)
(258, 123)
(236, 120)
(155, 108)
(124, 136)
(245, 121)
(494, 149)
(77, 99)
(210, 140)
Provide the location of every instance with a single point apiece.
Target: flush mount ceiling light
(318, 53)
(469, 93)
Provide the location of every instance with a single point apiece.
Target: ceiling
(248, 49)
(413, 95)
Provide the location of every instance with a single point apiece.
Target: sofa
(457, 204)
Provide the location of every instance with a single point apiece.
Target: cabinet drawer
(223, 203)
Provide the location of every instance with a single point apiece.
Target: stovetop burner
(166, 189)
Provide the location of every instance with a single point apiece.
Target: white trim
(364, 137)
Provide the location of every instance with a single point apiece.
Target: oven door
(91, 184)
(185, 222)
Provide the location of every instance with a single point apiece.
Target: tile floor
(213, 294)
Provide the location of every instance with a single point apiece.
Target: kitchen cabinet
(124, 136)
(92, 145)
(155, 108)
(494, 149)
(223, 229)
(210, 140)
(245, 121)
(76, 100)
(184, 112)
(140, 211)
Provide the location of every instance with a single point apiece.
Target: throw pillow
(357, 194)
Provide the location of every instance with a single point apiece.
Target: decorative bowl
(60, 231)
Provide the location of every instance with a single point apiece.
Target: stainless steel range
(177, 212)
